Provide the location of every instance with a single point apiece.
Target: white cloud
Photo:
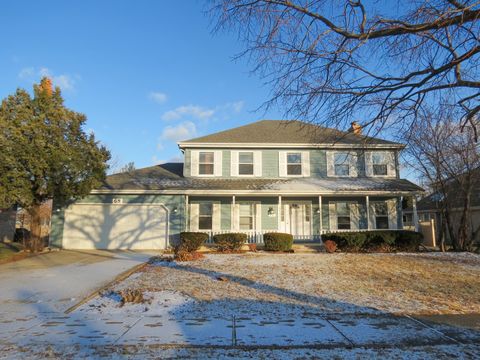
(26, 73)
(194, 111)
(64, 81)
(236, 106)
(183, 131)
(158, 97)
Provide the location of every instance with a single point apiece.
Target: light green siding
(270, 162)
(174, 203)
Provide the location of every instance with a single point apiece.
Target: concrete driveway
(44, 286)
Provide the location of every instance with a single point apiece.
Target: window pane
(205, 209)
(343, 222)
(246, 223)
(294, 158)
(342, 158)
(245, 169)
(206, 157)
(343, 209)
(246, 210)
(379, 169)
(380, 208)
(245, 158)
(342, 170)
(205, 222)
(294, 169)
(382, 222)
(378, 158)
(205, 169)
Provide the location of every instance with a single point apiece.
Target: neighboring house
(7, 224)
(428, 209)
(23, 220)
(286, 176)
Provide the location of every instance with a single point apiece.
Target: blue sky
(146, 73)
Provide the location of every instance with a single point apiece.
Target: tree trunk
(35, 243)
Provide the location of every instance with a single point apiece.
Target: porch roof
(167, 177)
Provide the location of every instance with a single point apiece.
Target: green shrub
(192, 241)
(229, 241)
(348, 241)
(278, 241)
(373, 241)
(408, 241)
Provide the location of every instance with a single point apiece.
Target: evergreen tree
(45, 153)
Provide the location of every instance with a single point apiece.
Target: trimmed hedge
(192, 241)
(374, 241)
(229, 241)
(278, 241)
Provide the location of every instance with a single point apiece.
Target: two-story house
(286, 176)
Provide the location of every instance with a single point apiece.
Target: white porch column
(320, 214)
(367, 204)
(415, 214)
(279, 215)
(232, 220)
(187, 214)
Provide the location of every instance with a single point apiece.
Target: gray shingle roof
(287, 132)
(169, 177)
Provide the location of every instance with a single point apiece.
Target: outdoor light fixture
(318, 211)
(270, 211)
(175, 210)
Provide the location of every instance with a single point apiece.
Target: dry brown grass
(398, 283)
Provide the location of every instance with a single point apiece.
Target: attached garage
(116, 226)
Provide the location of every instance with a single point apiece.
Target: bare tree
(380, 62)
(448, 159)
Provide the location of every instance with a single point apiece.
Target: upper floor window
(245, 163)
(380, 163)
(205, 216)
(294, 163)
(381, 215)
(206, 163)
(342, 164)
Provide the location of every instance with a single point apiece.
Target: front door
(297, 220)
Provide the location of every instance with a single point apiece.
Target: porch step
(308, 248)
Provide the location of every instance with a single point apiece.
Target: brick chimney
(46, 85)
(356, 128)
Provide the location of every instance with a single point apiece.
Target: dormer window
(294, 164)
(245, 163)
(206, 163)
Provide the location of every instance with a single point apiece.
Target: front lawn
(280, 284)
(9, 250)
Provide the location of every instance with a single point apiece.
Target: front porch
(307, 218)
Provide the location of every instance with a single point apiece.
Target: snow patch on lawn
(156, 303)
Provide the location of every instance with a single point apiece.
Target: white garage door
(112, 226)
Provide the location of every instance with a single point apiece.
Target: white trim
(306, 163)
(301, 164)
(282, 163)
(257, 163)
(320, 213)
(217, 163)
(183, 144)
(256, 192)
(304, 202)
(233, 163)
(195, 165)
(367, 205)
(390, 162)
(352, 164)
